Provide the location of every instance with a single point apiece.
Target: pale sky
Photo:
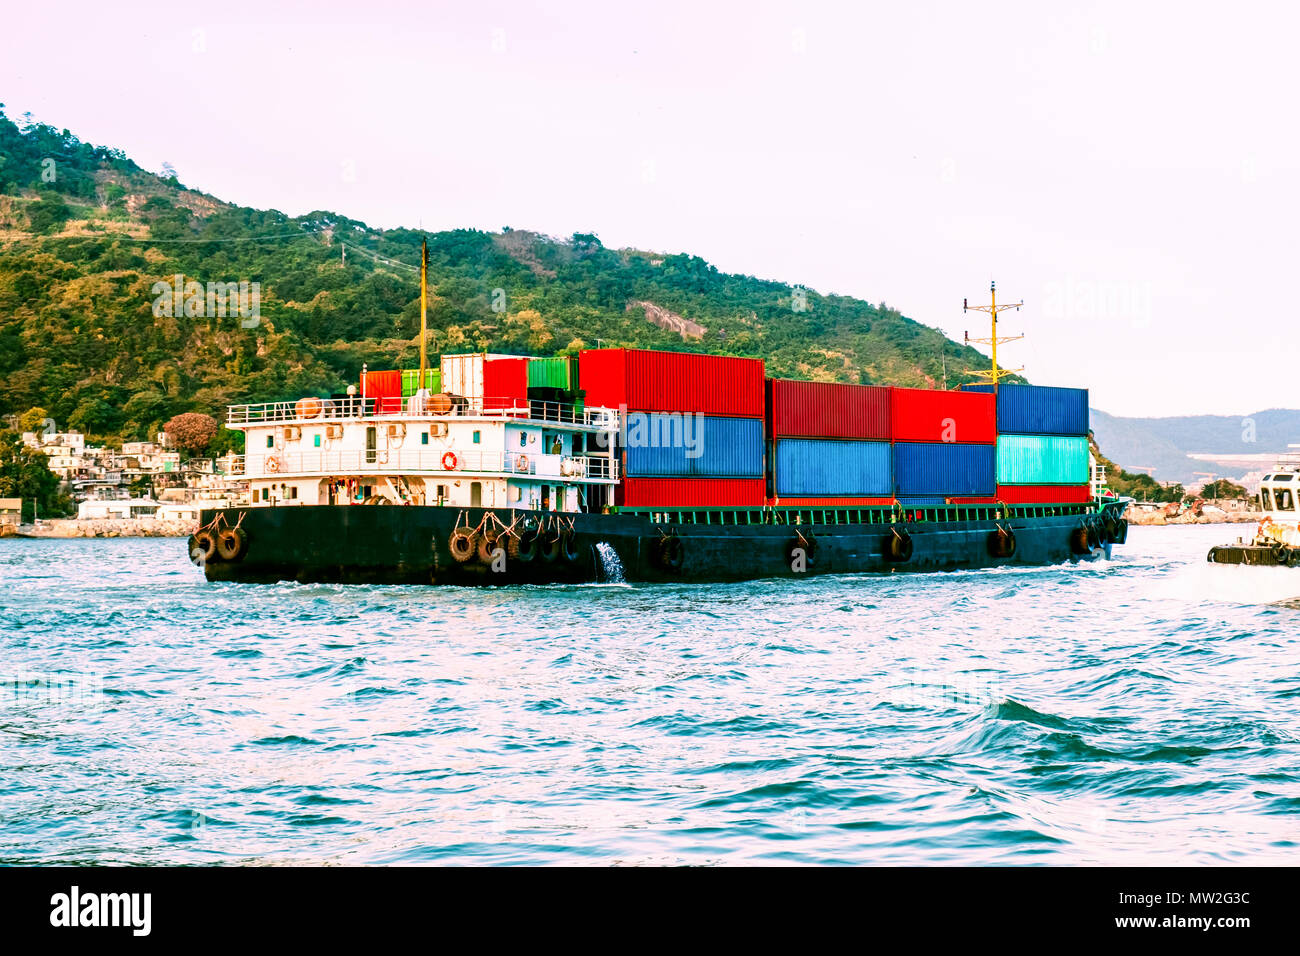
(1129, 170)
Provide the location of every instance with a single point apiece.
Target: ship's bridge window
(1266, 498)
(1282, 500)
(424, 438)
(478, 437)
(270, 441)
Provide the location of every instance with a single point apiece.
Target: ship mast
(424, 308)
(995, 374)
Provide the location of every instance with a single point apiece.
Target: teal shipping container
(1042, 460)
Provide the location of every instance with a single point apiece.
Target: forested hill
(85, 234)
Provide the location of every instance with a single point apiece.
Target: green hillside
(85, 234)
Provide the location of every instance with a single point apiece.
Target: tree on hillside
(33, 420)
(48, 214)
(192, 431)
(1223, 488)
(25, 473)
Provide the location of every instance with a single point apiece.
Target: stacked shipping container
(694, 436)
(1042, 444)
(694, 429)
(944, 445)
(829, 443)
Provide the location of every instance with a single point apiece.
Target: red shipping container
(827, 410)
(933, 415)
(647, 381)
(1045, 494)
(691, 493)
(829, 502)
(972, 501)
(386, 384)
(505, 383)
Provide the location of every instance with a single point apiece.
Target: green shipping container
(411, 379)
(550, 373)
(1042, 460)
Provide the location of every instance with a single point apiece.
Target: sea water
(1141, 710)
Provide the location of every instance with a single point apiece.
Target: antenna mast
(995, 374)
(424, 309)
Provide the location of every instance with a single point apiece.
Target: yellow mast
(995, 374)
(424, 308)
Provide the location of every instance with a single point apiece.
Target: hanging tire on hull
(805, 543)
(231, 544)
(1079, 541)
(898, 546)
(203, 547)
(551, 545)
(670, 553)
(487, 546)
(463, 544)
(1002, 543)
(522, 546)
(569, 547)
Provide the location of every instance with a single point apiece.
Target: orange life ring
(272, 464)
(449, 461)
(521, 463)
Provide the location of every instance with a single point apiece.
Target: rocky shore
(108, 528)
(1147, 517)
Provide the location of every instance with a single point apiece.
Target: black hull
(411, 545)
(1256, 555)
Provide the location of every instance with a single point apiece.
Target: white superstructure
(428, 450)
(1279, 497)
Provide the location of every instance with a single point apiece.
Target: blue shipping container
(812, 467)
(674, 445)
(1039, 409)
(923, 501)
(945, 468)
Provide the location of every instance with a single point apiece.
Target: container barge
(653, 466)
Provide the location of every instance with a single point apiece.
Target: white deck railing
(424, 461)
(306, 411)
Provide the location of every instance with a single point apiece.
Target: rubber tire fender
(522, 546)
(463, 544)
(898, 546)
(671, 553)
(808, 543)
(487, 545)
(231, 544)
(569, 547)
(1002, 543)
(551, 544)
(205, 542)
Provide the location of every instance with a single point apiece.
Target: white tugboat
(1277, 539)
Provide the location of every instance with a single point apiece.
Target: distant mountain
(88, 239)
(1165, 444)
